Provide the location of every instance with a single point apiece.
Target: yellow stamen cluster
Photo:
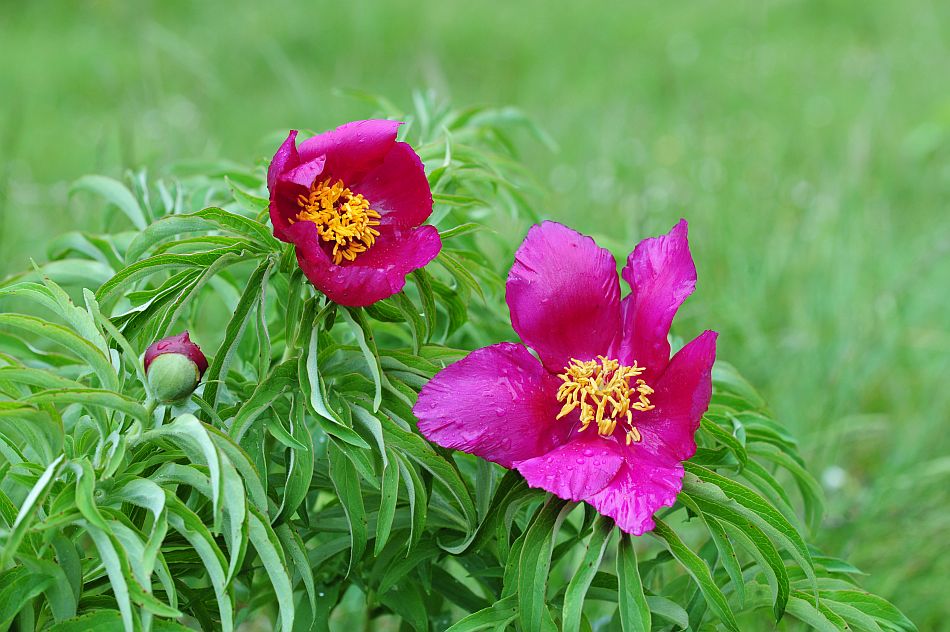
(341, 216)
(603, 391)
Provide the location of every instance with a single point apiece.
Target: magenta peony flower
(352, 201)
(605, 416)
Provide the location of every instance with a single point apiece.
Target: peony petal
(288, 178)
(497, 403)
(398, 188)
(564, 295)
(682, 396)
(650, 478)
(354, 149)
(376, 274)
(661, 275)
(580, 468)
(305, 173)
(285, 158)
(181, 344)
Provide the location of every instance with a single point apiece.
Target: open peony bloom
(606, 416)
(352, 201)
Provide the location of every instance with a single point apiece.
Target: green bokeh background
(808, 143)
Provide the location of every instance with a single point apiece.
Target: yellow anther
(342, 217)
(633, 435)
(602, 390)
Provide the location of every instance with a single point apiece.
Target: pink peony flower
(606, 416)
(352, 201)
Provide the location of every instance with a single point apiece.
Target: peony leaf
(347, 485)
(634, 609)
(722, 494)
(65, 338)
(19, 586)
(535, 561)
(388, 497)
(270, 551)
(698, 570)
(498, 615)
(116, 193)
(367, 344)
(580, 580)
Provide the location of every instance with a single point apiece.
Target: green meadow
(807, 143)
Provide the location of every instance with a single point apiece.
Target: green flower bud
(174, 366)
(172, 377)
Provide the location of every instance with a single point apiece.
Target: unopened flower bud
(174, 366)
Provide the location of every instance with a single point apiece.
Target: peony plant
(337, 455)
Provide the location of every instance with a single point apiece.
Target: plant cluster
(293, 490)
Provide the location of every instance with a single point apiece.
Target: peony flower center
(342, 217)
(607, 393)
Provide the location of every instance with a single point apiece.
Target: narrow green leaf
(874, 606)
(28, 508)
(347, 485)
(580, 580)
(388, 495)
(367, 344)
(294, 546)
(717, 489)
(501, 613)
(633, 607)
(190, 526)
(268, 548)
(65, 338)
(116, 193)
(18, 586)
(234, 331)
(697, 569)
(106, 399)
(192, 434)
(139, 270)
(535, 562)
(115, 569)
(207, 219)
(727, 554)
(299, 464)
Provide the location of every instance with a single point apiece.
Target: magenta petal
(497, 403)
(650, 478)
(580, 468)
(305, 173)
(285, 158)
(398, 188)
(564, 295)
(661, 275)
(682, 396)
(353, 149)
(376, 274)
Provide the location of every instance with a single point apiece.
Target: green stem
(150, 405)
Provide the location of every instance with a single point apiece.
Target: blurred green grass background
(808, 143)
